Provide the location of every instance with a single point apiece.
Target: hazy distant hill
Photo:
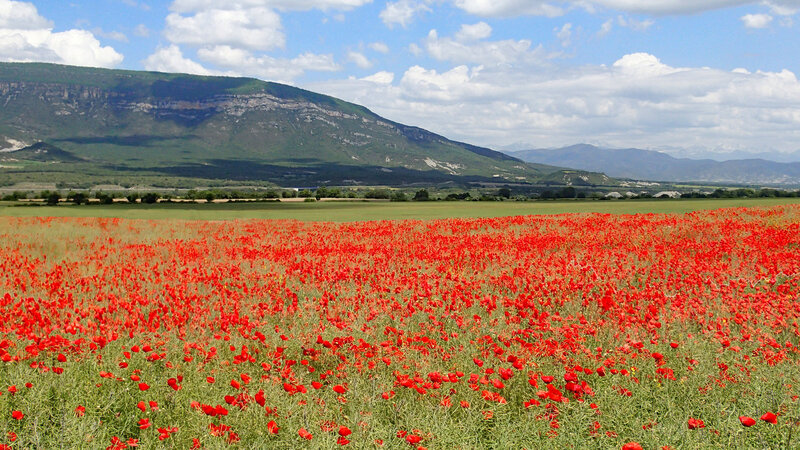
(75, 123)
(651, 165)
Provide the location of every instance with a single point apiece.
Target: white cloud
(509, 8)
(242, 62)
(783, 7)
(256, 28)
(171, 59)
(113, 35)
(634, 24)
(379, 47)
(606, 28)
(564, 34)
(402, 12)
(27, 36)
(756, 20)
(381, 77)
(554, 8)
(293, 5)
(476, 32)
(664, 7)
(637, 100)
(21, 16)
(464, 47)
(134, 4)
(359, 59)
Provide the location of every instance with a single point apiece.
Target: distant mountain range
(86, 125)
(656, 166)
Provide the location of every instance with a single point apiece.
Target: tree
(422, 195)
(399, 196)
(105, 199)
(150, 197)
(567, 192)
(53, 198)
(504, 192)
(78, 197)
(132, 197)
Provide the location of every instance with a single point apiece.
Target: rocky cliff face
(119, 118)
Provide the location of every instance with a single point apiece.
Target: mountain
(78, 125)
(651, 165)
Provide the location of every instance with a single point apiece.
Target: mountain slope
(651, 165)
(104, 123)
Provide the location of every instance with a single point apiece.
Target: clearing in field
(538, 331)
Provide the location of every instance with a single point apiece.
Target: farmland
(524, 331)
(349, 211)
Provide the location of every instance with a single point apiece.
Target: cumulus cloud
(379, 47)
(756, 20)
(171, 59)
(359, 59)
(606, 28)
(512, 8)
(293, 5)
(508, 8)
(468, 45)
(237, 61)
(382, 77)
(27, 36)
(256, 28)
(634, 24)
(402, 12)
(637, 100)
(564, 34)
(113, 35)
(476, 32)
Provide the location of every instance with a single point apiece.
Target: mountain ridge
(152, 123)
(657, 166)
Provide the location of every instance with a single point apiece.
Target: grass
(362, 211)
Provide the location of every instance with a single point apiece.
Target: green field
(359, 211)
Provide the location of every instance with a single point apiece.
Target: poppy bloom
(305, 434)
(344, 431)
(770, 417)
(747, 421)
(632, 446)
(272, 427)
(696, 423)
(17, 415)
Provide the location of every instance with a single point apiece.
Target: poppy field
(560, 331)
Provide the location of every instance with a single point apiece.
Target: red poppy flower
(769, 417)
(696, 423)
(305, 434)
(17, 415)
(747, 421)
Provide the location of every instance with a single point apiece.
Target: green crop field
(346, 211)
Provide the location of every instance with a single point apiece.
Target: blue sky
(703, 76)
